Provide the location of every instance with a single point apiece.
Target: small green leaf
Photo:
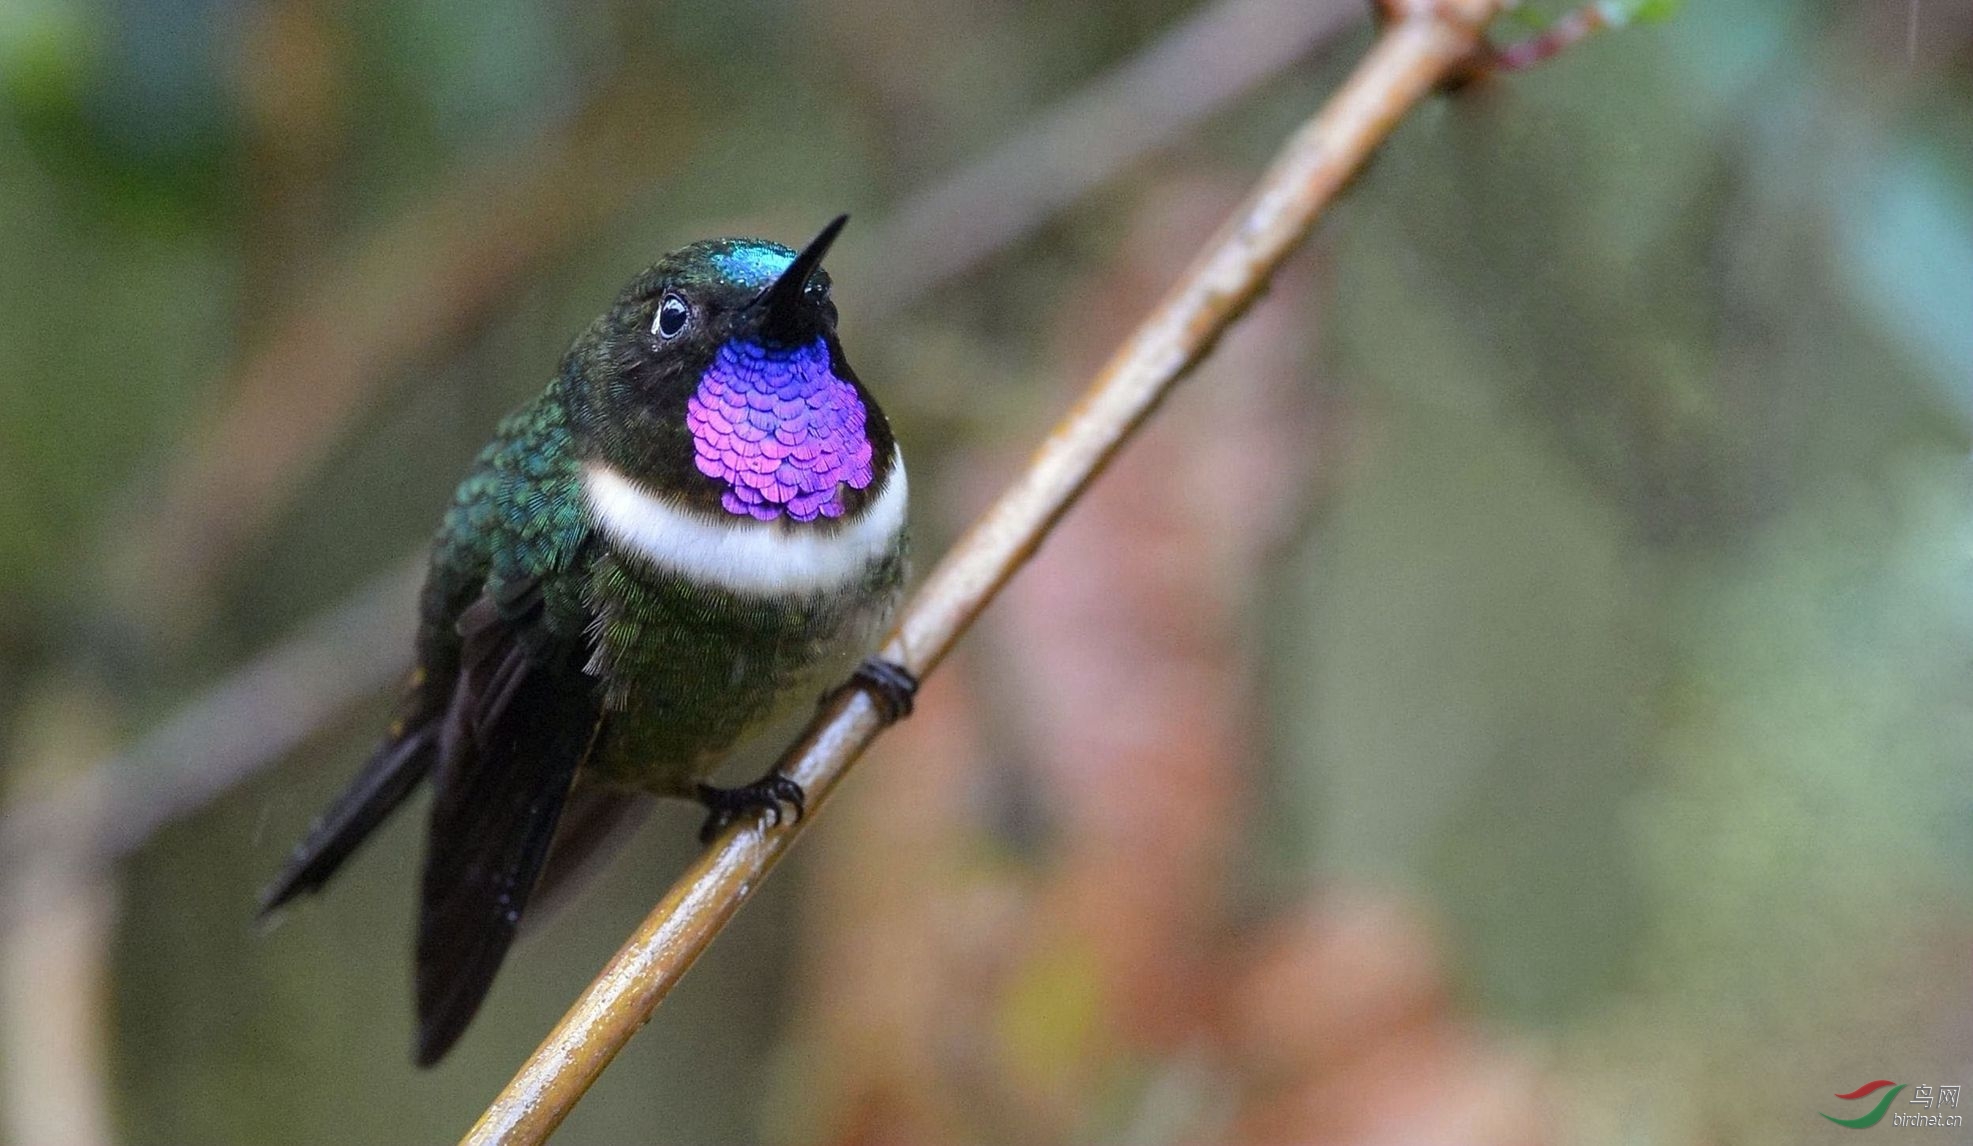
(1640, 11)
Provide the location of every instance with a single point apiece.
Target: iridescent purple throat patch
(781, 430)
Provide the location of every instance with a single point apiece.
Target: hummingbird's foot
(890, 685)
(767, 794)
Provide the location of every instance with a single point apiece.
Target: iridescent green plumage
(517, 516)
(695, 669)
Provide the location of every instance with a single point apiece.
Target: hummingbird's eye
(671, 318)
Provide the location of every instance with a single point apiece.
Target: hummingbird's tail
(396, 767)
(523, 717)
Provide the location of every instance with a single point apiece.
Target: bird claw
(891, 686)
(767, 794)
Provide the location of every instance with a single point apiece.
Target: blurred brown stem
(355, 649)
(1423, 44)
(445, 265)
(422, 282)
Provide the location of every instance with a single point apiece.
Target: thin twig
(167, 775)
(1416, 52)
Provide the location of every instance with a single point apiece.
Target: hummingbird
(698, 524)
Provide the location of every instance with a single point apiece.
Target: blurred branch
(419, 284)
(260, 712)
(358, 647)
(452, 260)
(1422, 45)
(55, 1009)
(1220, 54)
(57, 920)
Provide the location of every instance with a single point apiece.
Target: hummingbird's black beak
(782, 313)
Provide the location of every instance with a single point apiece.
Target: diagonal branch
(1424, 43)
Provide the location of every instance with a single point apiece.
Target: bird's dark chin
(785, 341)
(781, 330)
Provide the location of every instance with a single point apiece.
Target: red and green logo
(1866, 1121)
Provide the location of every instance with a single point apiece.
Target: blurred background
(1518, 692)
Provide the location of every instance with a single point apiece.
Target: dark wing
(522, 716)
(393, 770)
(597, 822)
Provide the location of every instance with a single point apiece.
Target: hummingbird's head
(716, 380)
